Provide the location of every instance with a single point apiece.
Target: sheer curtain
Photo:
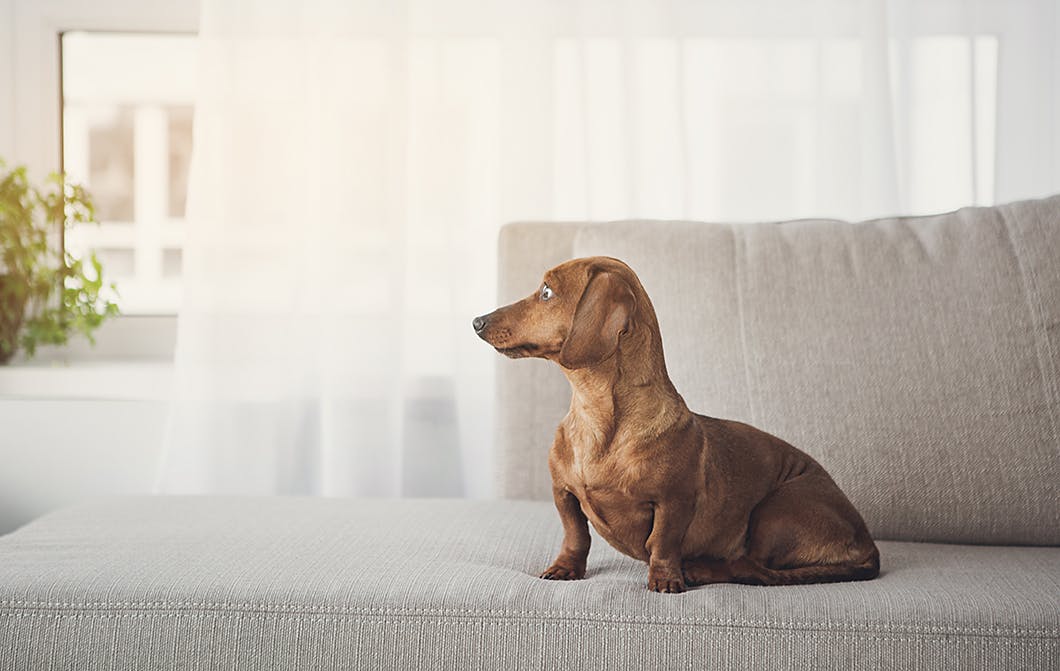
(354, 160)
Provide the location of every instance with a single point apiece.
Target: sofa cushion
(918, 359)
(285, 583)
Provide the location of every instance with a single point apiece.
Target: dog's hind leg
(747, 571)
(806, 531)
(703, 571)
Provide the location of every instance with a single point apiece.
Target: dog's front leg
(668, 529)
(570, 562)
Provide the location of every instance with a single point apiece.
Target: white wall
(79, 421)
(55, 452)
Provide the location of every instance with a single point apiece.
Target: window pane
(171, 262)
(118, 261)
(110, 162)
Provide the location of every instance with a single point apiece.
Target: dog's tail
(749, 572)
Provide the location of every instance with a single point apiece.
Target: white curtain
(354, 160)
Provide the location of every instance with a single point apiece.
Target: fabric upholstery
(285, 583)
(917, 358)
(531, 397)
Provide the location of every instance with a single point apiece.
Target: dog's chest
(623, 520)
(597, 460)
(604, 484)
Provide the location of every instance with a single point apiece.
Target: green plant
(45, 295)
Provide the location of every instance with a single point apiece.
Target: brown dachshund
(702, 500)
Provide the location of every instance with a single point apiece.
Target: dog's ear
(603, 314)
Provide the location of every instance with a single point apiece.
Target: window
(126, 135)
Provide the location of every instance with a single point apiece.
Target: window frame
(31, 126)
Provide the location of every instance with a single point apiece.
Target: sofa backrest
(918, 358)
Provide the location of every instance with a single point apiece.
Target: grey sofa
(918, 359)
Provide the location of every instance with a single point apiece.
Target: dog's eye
(546, 292)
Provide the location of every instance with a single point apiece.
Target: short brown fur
(701, 500)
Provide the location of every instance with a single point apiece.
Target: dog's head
(577, 317)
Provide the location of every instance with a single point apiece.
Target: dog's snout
(478, 323)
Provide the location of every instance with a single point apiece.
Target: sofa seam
(1042, 345)
(163, 607)
(738, 250)
(1010, 639)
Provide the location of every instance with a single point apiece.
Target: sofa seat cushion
(281, 583)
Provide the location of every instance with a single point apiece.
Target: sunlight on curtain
(354, 160)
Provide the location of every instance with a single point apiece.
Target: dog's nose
(478, 323)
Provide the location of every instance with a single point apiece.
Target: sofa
(918, 359)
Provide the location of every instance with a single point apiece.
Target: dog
(701, 500)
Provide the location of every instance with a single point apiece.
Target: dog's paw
(662, 580)
(563, 572)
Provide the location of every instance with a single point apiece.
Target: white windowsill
(87, 380)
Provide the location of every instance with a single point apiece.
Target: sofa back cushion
(916, 358)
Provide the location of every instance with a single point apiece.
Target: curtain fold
(353, 161)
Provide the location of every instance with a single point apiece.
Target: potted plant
(45, 295)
